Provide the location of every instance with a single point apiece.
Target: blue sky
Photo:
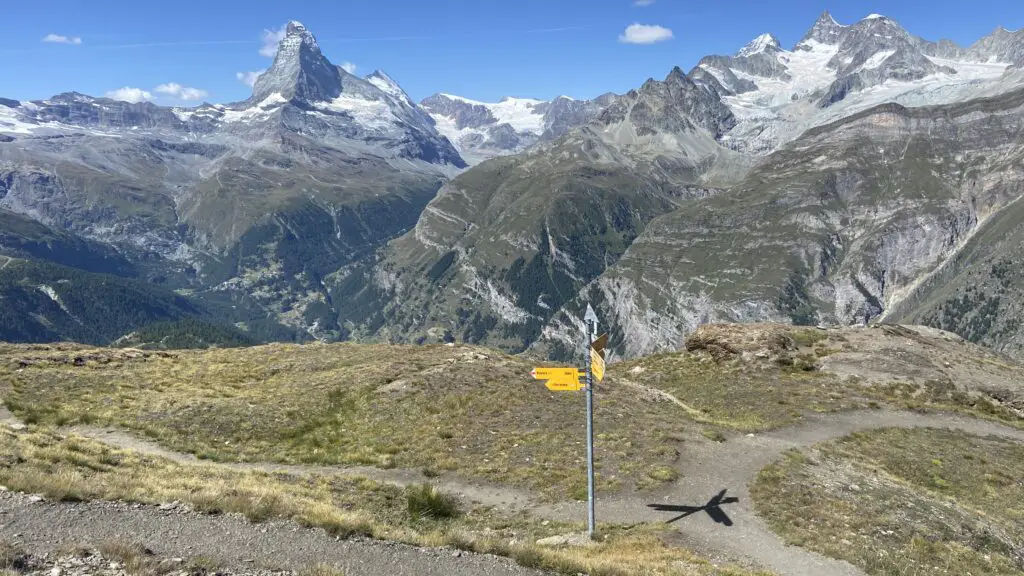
(481, 49)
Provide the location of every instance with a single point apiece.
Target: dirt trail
(474, 492)
(42, 527)
(706, 468)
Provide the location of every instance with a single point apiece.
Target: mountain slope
(24, 238)
(504, 245)
(43, 302)
(254, 202)
(837, 227)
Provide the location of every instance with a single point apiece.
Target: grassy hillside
(476, 413)
(897, 502)
(457, 409)
(762, 376)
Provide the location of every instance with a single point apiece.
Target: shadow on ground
(713, 507)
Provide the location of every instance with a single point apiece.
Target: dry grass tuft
(426, 501)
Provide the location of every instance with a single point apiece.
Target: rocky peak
(389, 86)
(825, 31)
(944, 48)
(676, 105)
(465, 114)
(300, 71)
(762, 44)
(1001, 45)
(874, 50)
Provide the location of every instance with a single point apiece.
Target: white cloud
(249, 78)
(348, 67)
(643, 2)
(181, 92)
(645, 34)
(58, 39)
(271, 38)
(130, 94)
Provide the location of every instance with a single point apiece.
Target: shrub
(425, 501)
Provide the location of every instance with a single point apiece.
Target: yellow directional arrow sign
(559, 379)
(597, 364)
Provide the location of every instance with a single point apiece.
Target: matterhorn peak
(763, 43)
(300, 70)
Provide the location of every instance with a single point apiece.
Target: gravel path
(43, 527)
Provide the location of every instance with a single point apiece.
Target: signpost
(559, 379)
(568, 380)
(591, 320)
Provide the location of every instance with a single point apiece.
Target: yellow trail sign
(597, 364)
(559, 379)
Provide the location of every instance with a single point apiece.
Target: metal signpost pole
(591, 321)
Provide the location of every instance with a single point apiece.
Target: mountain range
(864, 173)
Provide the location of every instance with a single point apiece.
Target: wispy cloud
(348, 67)
(127, 94)
(645, 34)
(58, 39)
(270, 39)
(643, 3)
(249, 78)
(180, 92)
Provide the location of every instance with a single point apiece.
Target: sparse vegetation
(68, 467)
(454, 410)
(663, 474)
(714, 435)
(12, 557)
(757, 377)
(898, 501)
(321, 570)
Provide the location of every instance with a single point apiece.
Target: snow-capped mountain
(302, 93)
(482, 130)
(838, 69)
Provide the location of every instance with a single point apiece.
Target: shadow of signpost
(713, 509)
